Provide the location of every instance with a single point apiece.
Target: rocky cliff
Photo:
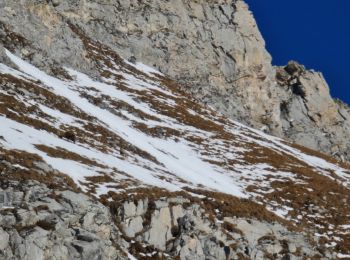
(46, 222)
(103, 157)
(214, 48)
(309, 115)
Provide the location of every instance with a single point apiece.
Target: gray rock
(129, 209)
(43, 166)
(133, 226)
(27, 217)
(78, 201)
(77, 227)
(190, 234)
(45, 229)
(88, 250)
(160, 231)
(56, 2)
(7, 220)
(309, 114)
(4, 239)
(192, 249)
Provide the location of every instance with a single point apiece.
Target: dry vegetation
(67, 155)
(28, 169)
(309, 193)
(12, 39)
(325, 157)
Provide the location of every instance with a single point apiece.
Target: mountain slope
(131, 133)
(213, 48)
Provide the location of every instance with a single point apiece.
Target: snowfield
(131, 126)
(179, 159)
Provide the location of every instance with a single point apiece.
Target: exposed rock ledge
(41, 223)
(309, 115)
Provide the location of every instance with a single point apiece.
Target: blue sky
(315, 33)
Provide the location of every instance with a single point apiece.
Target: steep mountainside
(213, 48)
(179, 178)
(103, 157)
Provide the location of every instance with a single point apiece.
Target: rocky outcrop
(37, 222)
(177, 227)
(308, 113)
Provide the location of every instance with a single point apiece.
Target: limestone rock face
(185, 230)
(48, 224)
(308, 113)
(214, 48)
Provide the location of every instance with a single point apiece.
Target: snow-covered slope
(132, 128)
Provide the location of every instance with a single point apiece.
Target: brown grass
(231, 206)
(321, 155)
(12, 39)
(51, 100)
(47, 225)
(62, 153)
(107, 139)
(231, 228)
(18, 111)
(160, 132)
(53, 180)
